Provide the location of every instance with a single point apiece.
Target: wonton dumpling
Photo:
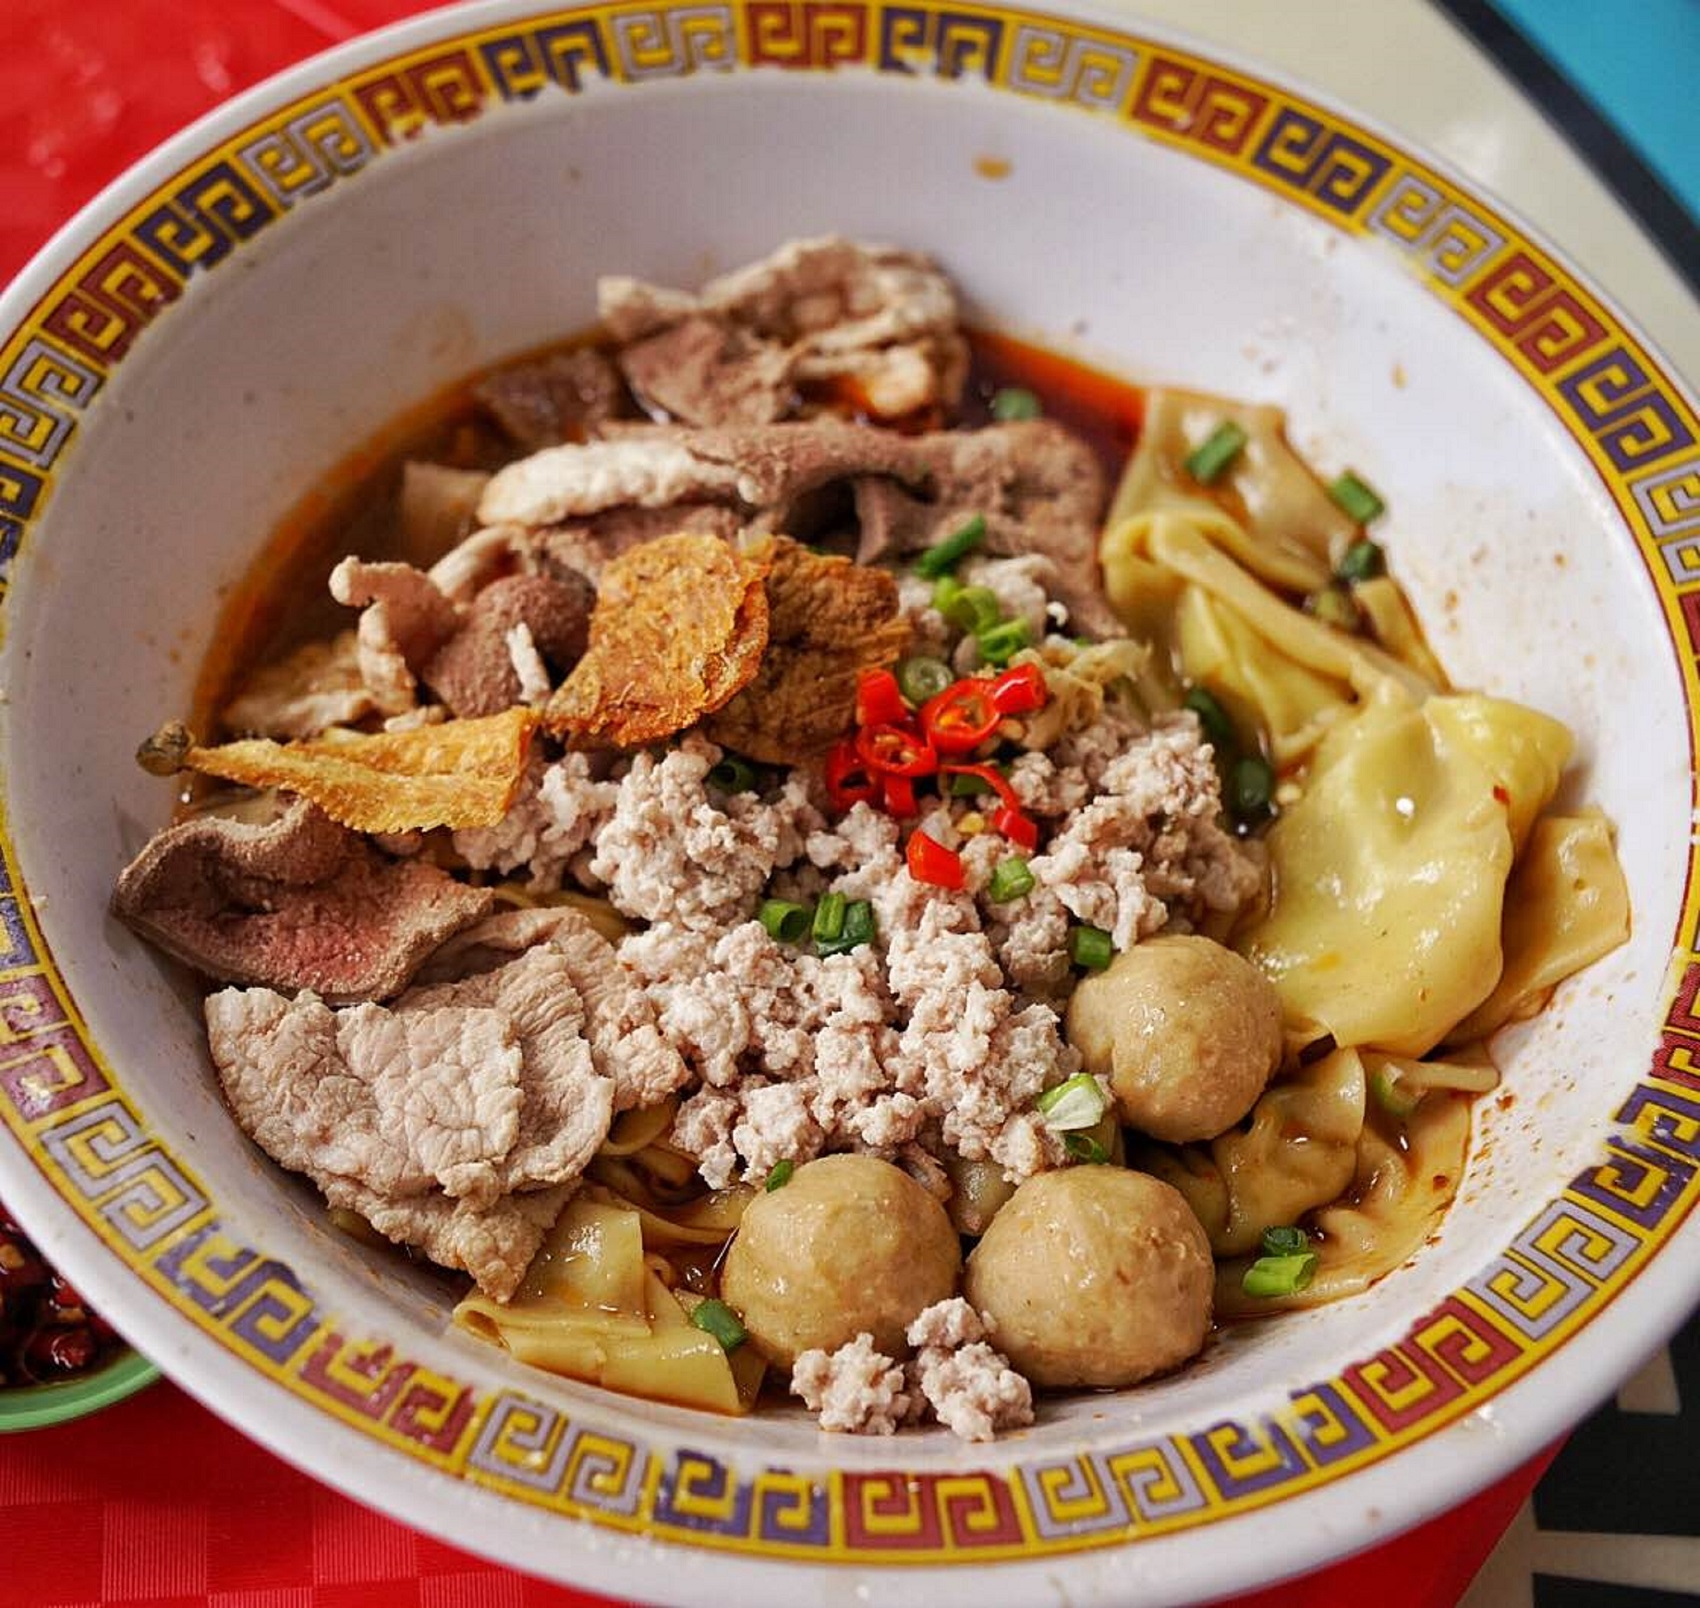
(1567, 905)
(1526, 750)
(1390, 875)
(1260, 686)
(1299, 1150)
(1406, 1175)
(1292, 532)
(591, 1308)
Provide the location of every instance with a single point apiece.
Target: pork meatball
(850, 1245)
(1094, 1276)
(1187, 1032)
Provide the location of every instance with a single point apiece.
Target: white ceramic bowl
(258, 297)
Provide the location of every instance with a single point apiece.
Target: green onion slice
(922, 677)
(970, 608)
(719, 1320)
(1287, 1240)
(1000, 643)
(779, 1175)
(829, 917)
(733, 775)
(1362, 561)
(1073, 1104)
(1208, 461)
(1011, 879)
(944, 556)
(1090, 947)
(1357, 498)
(1393, 1093)
(786, 922)
(1333, 605)
(1015, 402)
(1251, 787)
(858, 930)
(1083, 1147)
(1280, 1275)
(1213, 718)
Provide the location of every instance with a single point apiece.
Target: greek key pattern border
(60, 1098)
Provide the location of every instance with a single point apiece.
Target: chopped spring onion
(732, 775)
(1286, 1240)
(719, 1320)
(1212, 717)
(1207, 462)
(1362, 561)
(970, 608)
(1279, 1275)
(1015, 402)
(1357, 498)
(1251, 787)
(829, 917)
(1333, 605)
(942, 557)
(1090, 947)
(1011, 878)
(965, 784)
(786, 922)
(1001, 642)
(1083, 1147)
(779, 1174)
(922, 677)
(858, 930)
(1073, 1104)
(1393, 1093)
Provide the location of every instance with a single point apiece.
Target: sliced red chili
(849, 780)
(1020, 690)
(930, 861)
(991, 776)
(961, 717)
(896, 750)
(897, 794)
(1020, 828)
(879, 699)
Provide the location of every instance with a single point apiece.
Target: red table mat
(156, 1502)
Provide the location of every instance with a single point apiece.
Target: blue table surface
(1637, 61)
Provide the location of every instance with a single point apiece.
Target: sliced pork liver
(298, 903)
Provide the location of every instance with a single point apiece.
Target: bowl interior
(481, 240)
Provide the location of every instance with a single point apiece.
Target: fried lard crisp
(679, 629)
(828, 620)
(459, 773)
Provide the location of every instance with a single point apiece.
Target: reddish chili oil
(283, 600)
(47, 1333)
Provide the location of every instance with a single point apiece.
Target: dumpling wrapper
(591, 1308)
(1390, 878)
(1568, 905)
(1281, 524)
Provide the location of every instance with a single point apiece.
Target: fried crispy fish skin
(460, 773)
(828, 620)
(680, 626)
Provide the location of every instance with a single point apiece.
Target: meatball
(1094, 1276)
(1187, 1032)
(850, 1245)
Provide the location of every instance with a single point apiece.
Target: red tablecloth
(156, 1501)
